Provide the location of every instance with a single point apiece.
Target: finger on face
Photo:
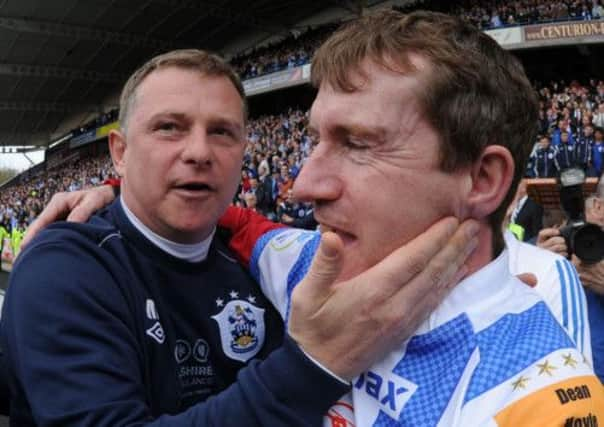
(325, 268)
(442, 273)
(432, 258)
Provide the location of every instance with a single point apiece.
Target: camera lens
(589, 243)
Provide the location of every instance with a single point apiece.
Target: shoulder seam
(102, 242)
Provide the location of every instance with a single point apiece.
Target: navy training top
(102, 328)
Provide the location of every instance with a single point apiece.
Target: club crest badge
(241, 326)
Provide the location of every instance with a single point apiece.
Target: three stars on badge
(235, 295)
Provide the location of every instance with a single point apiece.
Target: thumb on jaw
(324, 270)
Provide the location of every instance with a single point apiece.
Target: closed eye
(356, 143)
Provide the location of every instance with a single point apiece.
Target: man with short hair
(596, 164)
(140, 315)
(583, 147)
(426, 110)
(543, 159)
(565, 152)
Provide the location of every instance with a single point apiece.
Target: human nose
(318, 179)
(197, 149)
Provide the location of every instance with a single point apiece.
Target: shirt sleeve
(569, 305)
(246, 228)
(71, 347)
(280, 260)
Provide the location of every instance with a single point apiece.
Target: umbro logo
(156, 331)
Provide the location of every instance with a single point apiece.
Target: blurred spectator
(285, 183)
(597, 11)
(296, 214)
(543, 160)
(526, 213)
(266, 195)
(565, 152)
(584, 146)
(598, 117)
(596, 166)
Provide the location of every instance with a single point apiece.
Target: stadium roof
(65, 56)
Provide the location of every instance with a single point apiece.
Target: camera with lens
(583, 239)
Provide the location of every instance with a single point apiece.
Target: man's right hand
(76, 206)
(551, 240)
(347, 326)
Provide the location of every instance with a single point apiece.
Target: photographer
(591, 275)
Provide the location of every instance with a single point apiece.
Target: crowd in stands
(297, 48)
(488, 14)
(291, 52)
(571, 129)
(22, 202)
(277, 149)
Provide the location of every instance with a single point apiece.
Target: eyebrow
(168, 115)
(212, 121)
(377, 133)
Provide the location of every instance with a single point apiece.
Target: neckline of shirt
(193, 253)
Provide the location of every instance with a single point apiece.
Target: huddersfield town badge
(241, 327)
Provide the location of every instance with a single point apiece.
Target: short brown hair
(475, 93)
(206, 63)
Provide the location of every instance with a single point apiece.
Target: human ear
(117, 148)
(491, 177)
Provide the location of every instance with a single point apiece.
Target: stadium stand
(496, 14)
(294, 51)
(297, 49)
